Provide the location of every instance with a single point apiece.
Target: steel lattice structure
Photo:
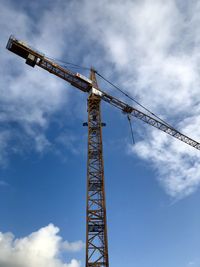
(96, 234)
(96, 227)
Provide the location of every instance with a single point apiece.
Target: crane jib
(34, 57)
(127, 109)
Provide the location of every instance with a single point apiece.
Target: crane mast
(96, 226)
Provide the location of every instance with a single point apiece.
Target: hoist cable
(131, 127)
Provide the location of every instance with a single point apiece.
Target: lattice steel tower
(96, 228)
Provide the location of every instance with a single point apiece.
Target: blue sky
(150, 48)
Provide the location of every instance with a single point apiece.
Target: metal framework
(33, 57)
(96, 237)
(96, 227)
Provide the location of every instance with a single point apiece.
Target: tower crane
(96, 225)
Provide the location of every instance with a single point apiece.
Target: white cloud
(4, 147)
(154, 46)
(28, 97)
(73, 246)
(41, 248)
(176, 163)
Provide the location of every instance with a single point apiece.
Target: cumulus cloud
(41, 248)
